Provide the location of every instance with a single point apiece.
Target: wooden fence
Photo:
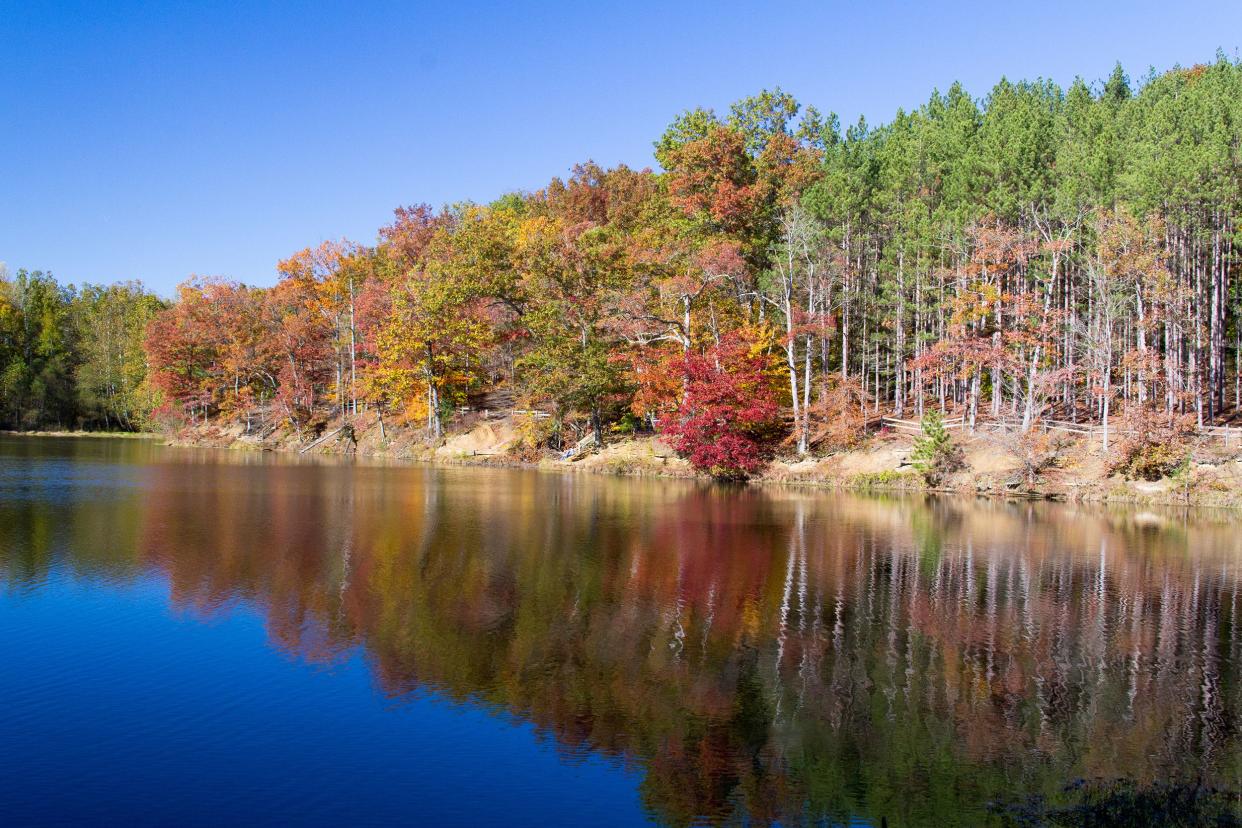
(1230, 435)
(916, 427)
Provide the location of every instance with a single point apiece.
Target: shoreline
(123, 435)
(876, 465)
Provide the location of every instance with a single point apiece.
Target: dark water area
(193, 637)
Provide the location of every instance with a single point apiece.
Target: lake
(197, 637)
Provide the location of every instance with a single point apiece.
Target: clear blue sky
(156, 140)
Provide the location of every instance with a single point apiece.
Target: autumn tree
(304, 348)
(184, 347)
(430, 346)
(1034, 251)
(574, 259)
(330, 277)
(111, 377)
(730, 412)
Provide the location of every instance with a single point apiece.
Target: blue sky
(156, 140)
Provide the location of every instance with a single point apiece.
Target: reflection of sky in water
(116, 708)
(206, 634)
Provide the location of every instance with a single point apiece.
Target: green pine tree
(935, 453)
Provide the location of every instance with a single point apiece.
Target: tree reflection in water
(768, 654)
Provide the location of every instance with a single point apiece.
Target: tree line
(782, 281)
(73, 358)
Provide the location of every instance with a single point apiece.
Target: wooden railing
(1229, 434)
(916, 426)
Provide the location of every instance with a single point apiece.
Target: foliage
(1035, 250)
(935, 454)
(535, 436)
(1152, 447)
(1152, 461)
(111, 377)
(38, 352)
(840, 415)
(573, 259)
(432, 338)
(729, 411)
(74, 358)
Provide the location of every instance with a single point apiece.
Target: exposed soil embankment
(1079, 471)
(495, 441)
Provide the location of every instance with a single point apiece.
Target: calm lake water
(194, 637)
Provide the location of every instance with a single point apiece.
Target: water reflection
(771, 655)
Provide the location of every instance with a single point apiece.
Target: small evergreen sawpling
(935, 454)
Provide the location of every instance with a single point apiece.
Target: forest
(774, 287)
(73, 358)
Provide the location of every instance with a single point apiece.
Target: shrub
(166, 419)
(1036, 450)
(840, 415)
(628, 424)
(888, 479)
(1152, 445)
(1153, 462)
(533, 437)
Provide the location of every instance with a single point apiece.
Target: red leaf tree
(728, 413)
